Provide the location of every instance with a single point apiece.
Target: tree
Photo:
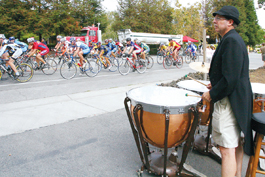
(109, 32)
(261, 1)
(150, 16)
(188, 20)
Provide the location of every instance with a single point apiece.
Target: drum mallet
(196, 80)
(193, 95)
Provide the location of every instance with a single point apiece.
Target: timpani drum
(154, 100)
(258, 90)
(200, 89)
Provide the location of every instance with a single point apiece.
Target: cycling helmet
(110, 39)
(30, 40)
(189, 42)
(59, 36)
(12, 38)
(161, 44)
(138, 42)
(63, 39)
(170, 39)
(106, 41)
(128, 39)
(98, 43)
(116, 40)
(72, 39)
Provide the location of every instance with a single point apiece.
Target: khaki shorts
(226, 131)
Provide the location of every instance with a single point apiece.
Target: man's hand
(206, 96)
(209, 86)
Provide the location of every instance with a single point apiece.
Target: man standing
(231, 93)
(262, 49)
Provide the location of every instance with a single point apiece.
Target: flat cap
(229, 12)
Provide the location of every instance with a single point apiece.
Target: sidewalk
(18, 117)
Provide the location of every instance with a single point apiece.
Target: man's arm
(32, 52)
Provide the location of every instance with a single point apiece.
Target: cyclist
(111, 41)
(65, 47)
(134, 49)
(81, 49)
(119, 45)
(59, 43)
(23, 45)
(162, 48)
(14, 51)
(174, 46)
(191, 48)
(112, 48)
(103, 51)
(36, 45)
(3, 41)
(11, 40)
(144, 47)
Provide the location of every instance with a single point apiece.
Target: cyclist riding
(36, 45)
(104, 51)
(134, 49)
(191, 48)
(65, 47)
(79, 45)
(59, 43)
(144, 47)
(23, 45)
(14, 52)
(120, 46)
(112, 47)
(174, 46)
(162, 48)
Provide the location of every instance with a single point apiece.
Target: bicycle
(126, 64)
(190, 57)
(149, 60)
(68, 68)
(25, 71)
(160, 57)
(48, 69)
(102, 63)
(169, 61)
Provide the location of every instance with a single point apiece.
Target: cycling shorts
(17, 53)
(147, 50)
(108, 53)
(86, 51)
(114, 50)
(44, 52)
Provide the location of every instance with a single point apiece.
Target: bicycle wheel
(68, 70)
(91, 68)
(150, 62)
(124, 67)
(50, 68)
(179, 63)
(160, 59)
(114, 63)
(25, 72)
(141, 65)
(167, 62)
(187, 59)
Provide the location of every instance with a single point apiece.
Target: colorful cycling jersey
(135, 46)
(12, 48)
(174, 44)
(4, 42)
(40, 46)
(144, 46)
(66, 44)
(83, 46)
(92, 45)
(163, 47)
(119, 44)
(192, 48)
(111, 46)
(104, 48)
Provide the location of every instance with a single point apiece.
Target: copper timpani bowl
(155, 100)
(200, 89)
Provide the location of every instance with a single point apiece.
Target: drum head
(193, 85)
(258, 88)
(156, 98)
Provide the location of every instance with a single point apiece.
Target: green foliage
(150, 16)
(261, 1)
(109, 32)
(39, 18)
(188, 20)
